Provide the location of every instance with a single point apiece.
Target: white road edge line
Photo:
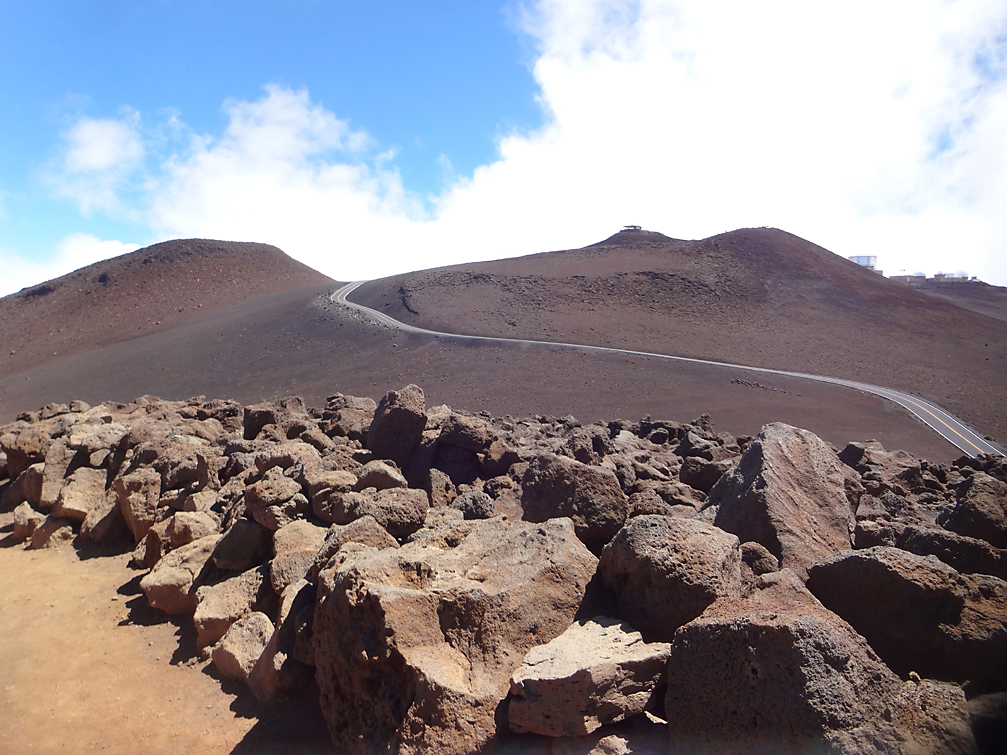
(939, 420)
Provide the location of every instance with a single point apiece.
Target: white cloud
(72, 253)
(867, 128)
(100, 155)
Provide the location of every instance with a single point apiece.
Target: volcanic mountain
(247, 322)
(757, 296)
(135, 294)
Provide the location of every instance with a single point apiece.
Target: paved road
(944, 423)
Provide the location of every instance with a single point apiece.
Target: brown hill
(294, 341)
(134, 294)
(754, 296)
(974, 295)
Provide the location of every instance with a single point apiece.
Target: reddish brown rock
(104, 523)
(171, 585)
(364, 530)
(138, 493)
(918, 613)
(787, 493)
(397, 427)
(52, 532)
(555, 486)
(414, 647)
(83, 491)
(277, 671)
(57, 461)
(779, 673)
(186, 526)
(294, 547)
(981, 511)
(665, 571)
(220, 605)
(239, 649)
(245, 545)
(26, 519)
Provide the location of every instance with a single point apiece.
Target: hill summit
(130, 295)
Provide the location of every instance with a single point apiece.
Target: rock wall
(465, 583)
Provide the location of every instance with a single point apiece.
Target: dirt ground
(89, 667)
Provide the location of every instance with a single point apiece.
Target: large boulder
(244, 545)
(981, 511)
(777, 672)
(364, 530)
(31, 483)
(138, 492)
(26, 519)
(83, 491)
(104, 523)
(186, 526)
(918, 613)
(275, 500)
(415, 646)
(397, 427)
(786, 493)
(277, 670)
(51, 532)
(556, 486)
(967, 555)
(599, 671)
(348, 416)
(294, 549)
(400, 511)
(57, 461)
(171, 585)
(222, 604)
(665, 571)
(380, 475)
(239, 649)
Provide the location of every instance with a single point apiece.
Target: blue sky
(368, 138)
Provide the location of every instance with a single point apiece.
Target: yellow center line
(919, 406)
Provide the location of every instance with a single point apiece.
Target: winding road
(942, 422)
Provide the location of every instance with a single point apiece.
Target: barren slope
(137, 293)
(754, 296)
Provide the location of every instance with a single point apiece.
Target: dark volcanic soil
(137, 293)
(298, 342)
(756, 296)
(266, 328)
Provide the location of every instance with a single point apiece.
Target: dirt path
(89, 667)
